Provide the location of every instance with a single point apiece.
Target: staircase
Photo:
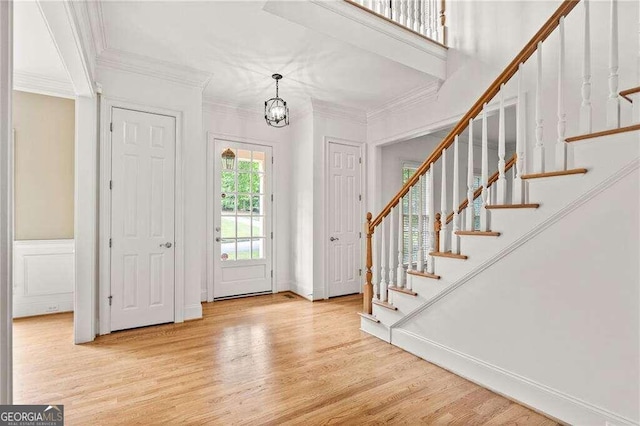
(518, 203)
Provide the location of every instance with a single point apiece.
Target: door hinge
(360, 197)
(271, 197)
(359, 234)
(110, 184)
(360, 160)
(272, 273)
(272, 235)
(110, 242)
(271, 160)
(359, 272)
(111, 127)
(110, 299)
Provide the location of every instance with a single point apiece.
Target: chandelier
(276, 112)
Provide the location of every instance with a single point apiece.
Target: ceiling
(34, 52)
(241, 45)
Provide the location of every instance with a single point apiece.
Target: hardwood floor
(261, 360)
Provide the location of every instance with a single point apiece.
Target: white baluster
(384, 284)
(585, 108)
(400, 270)
(387, 9)
(434, 19)
(538, 151)
(374, 269)
(420, 26)
(404, 17)
(392, 238)
(455, 239)
(561, 146)
(410, 14)
(420, 263)
(484, 219)
(470, 173)
(410, 213)
(431, 211)
(427, 18)
(501, 195)
(518, 185)
(613, 103)
(444, 243)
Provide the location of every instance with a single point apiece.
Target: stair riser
(405, 302)
(375, 328)
(387, 316)
(427, 287)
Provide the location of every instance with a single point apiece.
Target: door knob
(167, 245)
(217, 239)
(333, 239)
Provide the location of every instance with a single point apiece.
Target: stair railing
(417, 193)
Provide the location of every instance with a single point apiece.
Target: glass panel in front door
(242, 207)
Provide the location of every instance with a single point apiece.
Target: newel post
(368, 286)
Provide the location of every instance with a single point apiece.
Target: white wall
(558, 318)
(187, 100)
(249, 126)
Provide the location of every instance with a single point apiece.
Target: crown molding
(335, 111)
(222, 106)
(43, 85)
(147, 66)
(405, 101)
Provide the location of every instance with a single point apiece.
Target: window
(413, 222)
(477, 203)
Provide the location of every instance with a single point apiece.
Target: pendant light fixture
(276, 112)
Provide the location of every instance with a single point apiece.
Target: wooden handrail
(530, 48)
(493, 179)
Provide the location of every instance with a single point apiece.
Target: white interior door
(242, 218)
(345, 225)
(142, 218)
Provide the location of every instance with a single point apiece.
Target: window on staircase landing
(408, 169)
(477, 203)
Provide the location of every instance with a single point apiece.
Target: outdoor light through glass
(228, 159)
(276, 113)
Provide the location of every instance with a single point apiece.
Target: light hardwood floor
(260, 360)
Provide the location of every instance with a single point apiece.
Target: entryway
(242, 219)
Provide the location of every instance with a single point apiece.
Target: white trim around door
(327, 182)
(106, 107)
(211, 206)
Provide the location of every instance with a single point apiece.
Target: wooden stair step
(479, 233)
(448, 254)
(424, 274)
(514, 206)
(384, 304)
(369, 317)
(625, 93)
(604, 133)
(403, 290)
(553, 174)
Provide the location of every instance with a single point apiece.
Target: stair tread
(448, 254)
(603, 133)
(369, 317)
(556, 173)
(424, 274)
(403, 290)
(479, 233)
(384, 304)
(625, 93)
(514, 206)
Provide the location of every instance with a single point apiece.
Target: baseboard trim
(193, 312)
(548, 401)
(301, 291)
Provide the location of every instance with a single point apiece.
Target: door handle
(333, 239)
(167, 245)
(217, 239)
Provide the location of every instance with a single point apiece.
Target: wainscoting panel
(43, 277)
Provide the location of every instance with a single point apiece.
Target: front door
(142, 218)
(242, 206)
(345, 223)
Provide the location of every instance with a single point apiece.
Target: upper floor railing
(425, 17)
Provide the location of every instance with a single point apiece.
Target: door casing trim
(104, 220)
(211, 149)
